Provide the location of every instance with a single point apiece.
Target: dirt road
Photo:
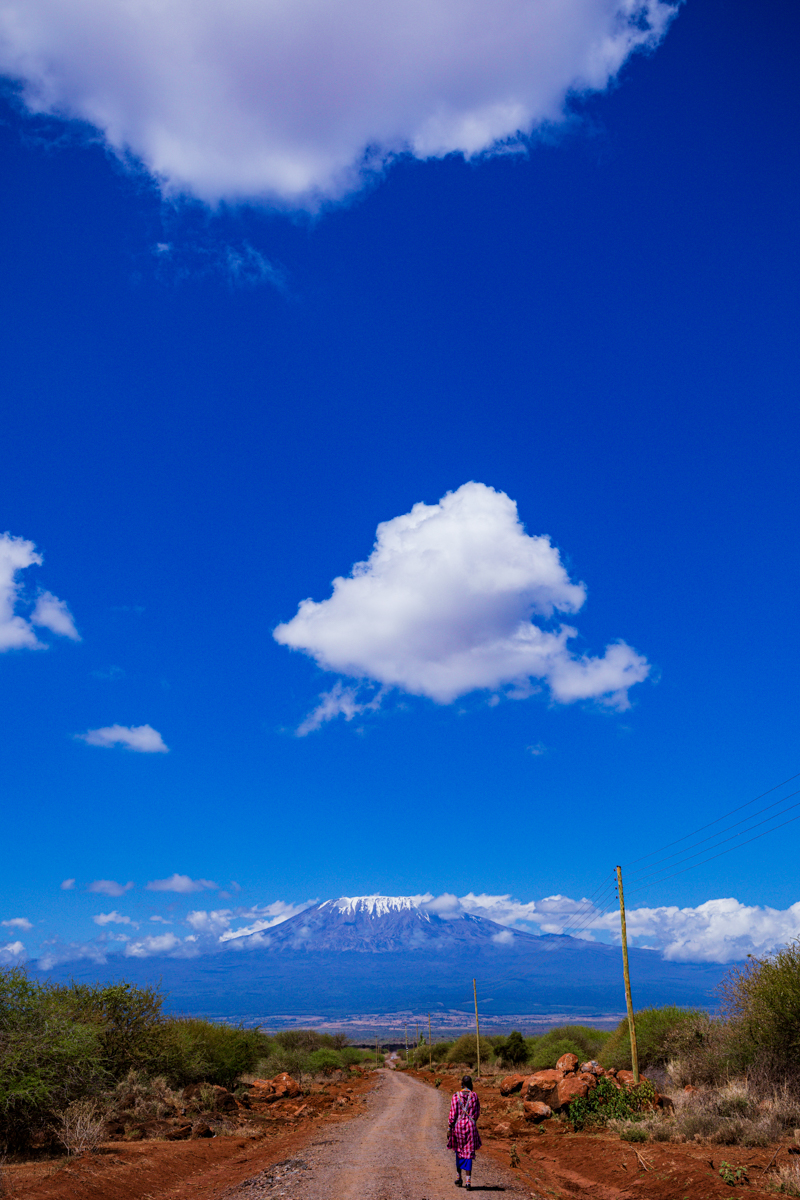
(394, 1151)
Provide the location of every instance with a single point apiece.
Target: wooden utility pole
(430, 1044)
(627, 974)
(377, 1056)
(477, 1029)
(407, 1062)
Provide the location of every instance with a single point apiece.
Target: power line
(732, 838)
(716, 821)
(711, 836)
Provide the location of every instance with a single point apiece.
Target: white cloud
(11, 954)
(67, 885)
(290, 100)
(110, 887)
(141, 738)
(180, 883)
(18, 923)
(723, 930)
(447, 603)
(340, 701)
(16, 631)
(113, 918)
(163, 943)
(53, 614)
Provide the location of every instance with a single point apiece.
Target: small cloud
(12, 953)
(67, 885)
(340, 701)
(161, 920)
(113, 918)
(53, 614)
(505, 938)
(141, 738)
(110, 887)
(17, 632)
(109, 674)
(537, 749)
(182, 884)
(18, 923)
(163, 943)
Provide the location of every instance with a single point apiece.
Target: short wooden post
(477, 1029)
(377, 1057)
(430, 1044)
(627, 975)
(407, 1062)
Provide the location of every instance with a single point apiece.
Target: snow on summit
(375, 905)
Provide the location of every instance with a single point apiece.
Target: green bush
(326, 1060)
(465, 1050)
(607, 1102)
(512, 1050)
(545, 1050)
(762, 1004)
(192, 1050)
(657, 1031)
(47, 1059)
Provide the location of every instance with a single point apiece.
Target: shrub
(545, 1050)
(762, 1002)
(326, 1060)
(512, 1050)
(634, 1133)
(190, 1050)
(465, 1050)
(81, 1126)
(607, 1102)
(47, 1059)
(703, 1051)
(788, 1180)
(655, 1037)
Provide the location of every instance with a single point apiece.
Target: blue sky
(213, 397)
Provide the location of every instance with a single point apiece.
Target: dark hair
(467, 1082)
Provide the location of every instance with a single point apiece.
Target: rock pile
(267, 1091)
(546, 1092)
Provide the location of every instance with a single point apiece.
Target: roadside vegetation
(75, 1056)
(729, 1079)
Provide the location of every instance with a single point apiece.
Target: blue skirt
(464, 1164)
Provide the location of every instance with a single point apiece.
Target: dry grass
(787, 1180)
(145, 1099)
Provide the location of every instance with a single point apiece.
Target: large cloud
(293, 99)
(17, 631)
(457, 597)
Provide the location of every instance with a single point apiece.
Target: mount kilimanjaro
(382, 954)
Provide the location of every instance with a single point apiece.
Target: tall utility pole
(430, 1044)
(477, 1028)
(407, 1062)
(377, 1056)
(627, 974)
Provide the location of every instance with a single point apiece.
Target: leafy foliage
(512, 1050)
(655, 1036)
(608, 1102)
(545, 1050)
(465, 1050)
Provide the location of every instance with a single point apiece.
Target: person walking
(465, 1108)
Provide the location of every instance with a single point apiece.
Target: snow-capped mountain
(380, 924)
(380, 954)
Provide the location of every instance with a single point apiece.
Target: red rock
(201, 1130)
(625, 1078)
(285, 1086)
(536, 1111)
(511, 1083)
(588, 1078)
(502, 1129)
(542, 1086)
(690, 1090)
(265, 1086)
(592, 1067)
(571, 1089)
(567, 1063)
